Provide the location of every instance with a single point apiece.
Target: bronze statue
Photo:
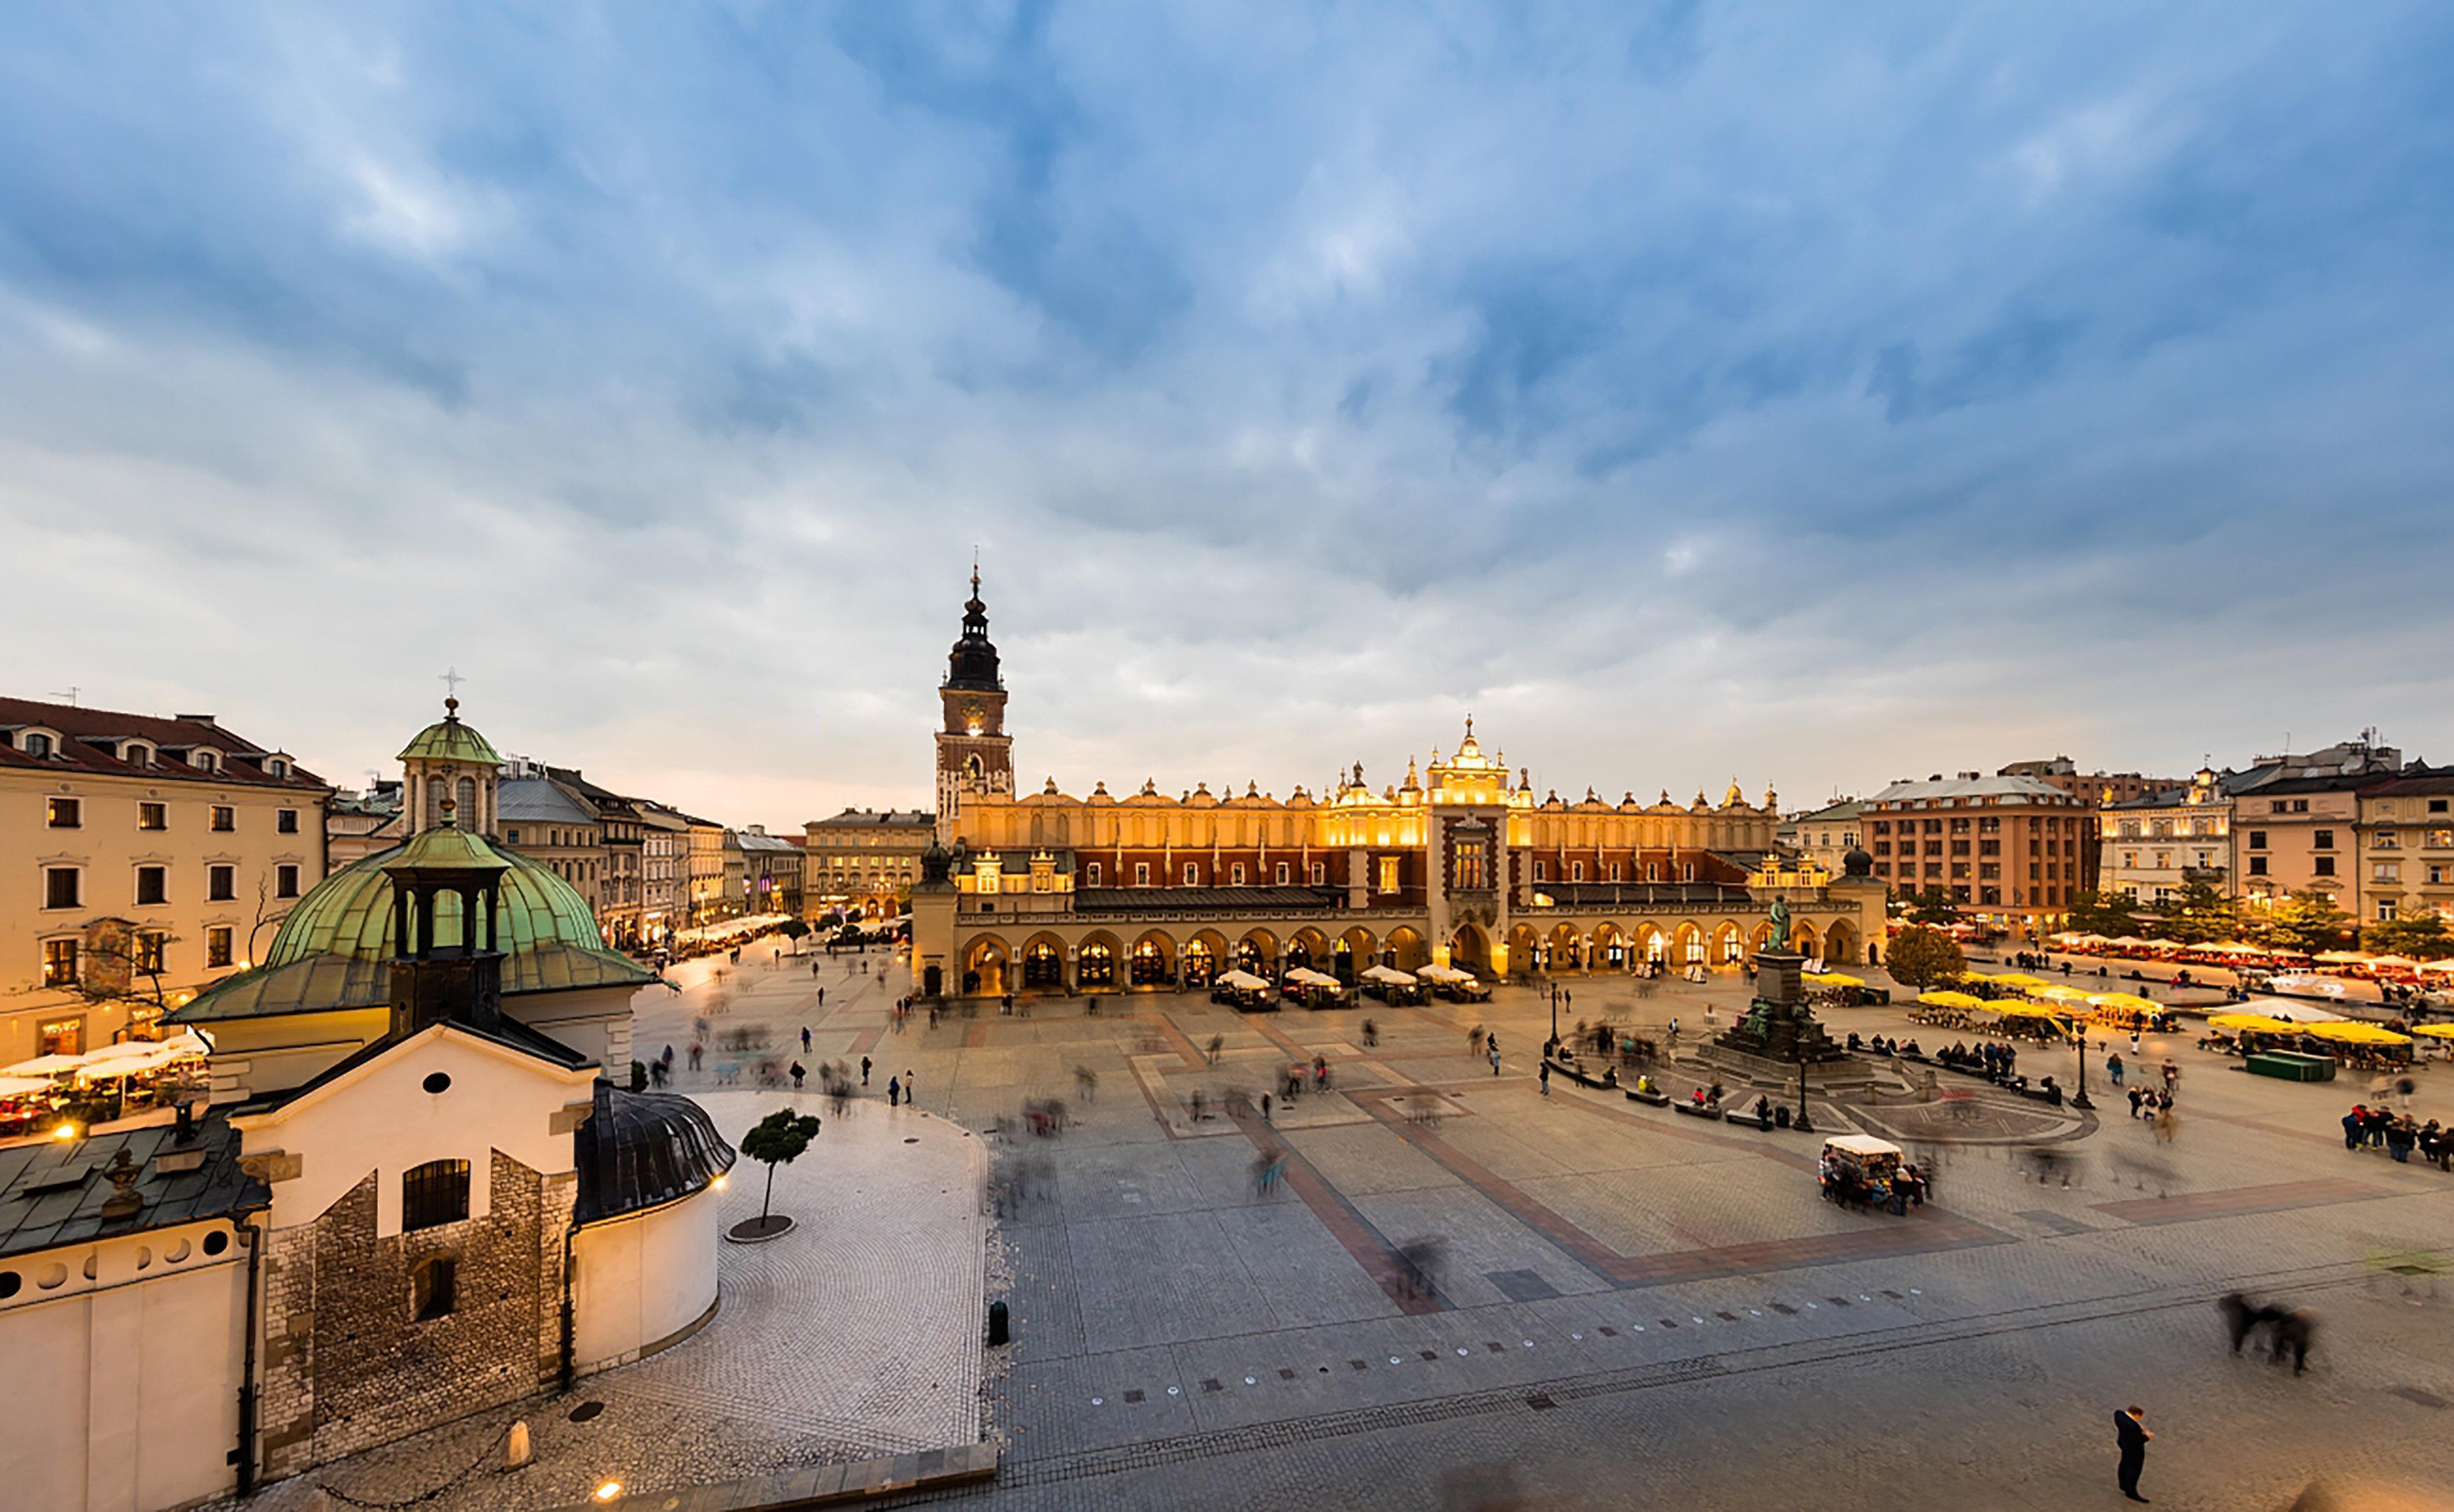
(1779, 924)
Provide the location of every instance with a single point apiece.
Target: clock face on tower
(972, 721)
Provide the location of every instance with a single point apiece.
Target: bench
(1709, 1110)
(1748, 1117)
(2052, 1095)
(1659, 1099)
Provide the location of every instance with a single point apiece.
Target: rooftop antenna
(70, 694)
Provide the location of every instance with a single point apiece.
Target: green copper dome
(448, 739)
(330, 949)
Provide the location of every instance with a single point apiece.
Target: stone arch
(1566, 949)
(986, 962)
(1403, 949)
(1840, 943)
(1651, 943)
(1524, 949)
(1043, 964)
(1470, 949)
(1610, 946)
(1153, 962)
(1801, 939)
(1203, 957)
(1308, 948)
(1098, 961)
(1257, 953)
(1687, 944)
(1761, 937)
(1729, 944)
(1354, 952)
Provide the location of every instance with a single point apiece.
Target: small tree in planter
(777, 1139)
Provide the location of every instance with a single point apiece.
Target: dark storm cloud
(1691, 390)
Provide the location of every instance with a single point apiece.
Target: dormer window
(277, 767)
(203, 760)
(136, 754)
(35, 745)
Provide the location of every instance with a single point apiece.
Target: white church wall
(131, 1377)
(593, 1021)
(639, 1279)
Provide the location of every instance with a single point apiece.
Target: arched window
(433, 1194)
(467, 799)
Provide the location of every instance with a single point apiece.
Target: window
(431, 1288)
(2385, 908)
(1090, 875)
(149, 945)
(2323, 866)
(1542, 871)
(511, 836)
(1282, 874)
(286, 820)
(433, 1194)
(225, 818)
(2258, 866)
(2299, 805)
(1238, 873)
(152, 817)
(1141, 874)
(2386, 872)
(151, 884)
(137, 755)
(221, 883)
(1613, 871)
(204, 761)
(1687, 871)
(62, 887)
(1882, 847)
(285, 882)
(64, 813)
(2257, 839)
(1575, 871)
(2279, 806)
(1319, 874)
(1388, 873)
(2323, 840)
(2388, 841)
(2441, 840)
(37, 745)
(1192, 875)
(217, 945)
(60, 1037)
(59, 964)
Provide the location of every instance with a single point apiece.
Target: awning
(1388, 975)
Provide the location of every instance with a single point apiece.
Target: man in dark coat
(2130, 1431)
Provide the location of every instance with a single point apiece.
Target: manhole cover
(585, 1410)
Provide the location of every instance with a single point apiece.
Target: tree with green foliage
(1933, 906)
(778, 1140)
(2306, 921)
(2198, 914)
(1923, 957)
(2111, 915)
(2423, 937)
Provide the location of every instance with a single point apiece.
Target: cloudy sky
(1689, 391)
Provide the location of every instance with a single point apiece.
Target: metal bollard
(997, 1334)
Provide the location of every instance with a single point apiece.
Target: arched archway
(1840, 943)
(1154, 960)
(1257, 953)
(1403, 949)
(1094, 961)
(1470, 949)
(1759, 938)
(1687, 945)
(1307, 949)
(1651, 943)
(1354, 953)
(1201, 958)
(984, 966)
(1567, 949)
(1801, 939)
(1610, 946)
(1729, 943)
(1044, 965)
(1524, 949)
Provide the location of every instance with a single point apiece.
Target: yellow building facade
(1460, 864)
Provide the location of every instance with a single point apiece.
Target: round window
(437, 1082)
(176, 1253)
(216, 1242)
(11, 1284)
(54, 1276)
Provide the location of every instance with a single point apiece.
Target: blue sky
(1690, 391)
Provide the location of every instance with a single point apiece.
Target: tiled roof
(82, 727)
(874, 819)
(51, 1194)
(2438, 779)
(1634, 895)
(2020, 789)
(536, 801)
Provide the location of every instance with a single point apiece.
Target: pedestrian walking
(894, 1093)
(693, 1057)
(2136, 1094)
(864, 1071)
(911, 1086)
(2130, 1435)
(2113, 1067)
(1546, 1079)
(1265, 1107)
(1494, 1062)
(805, 1040)
(798, 1075)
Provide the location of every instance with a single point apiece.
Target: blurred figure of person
(894, 1093)
(2293, 1332)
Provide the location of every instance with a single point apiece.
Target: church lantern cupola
(446, 894)
(973, 664)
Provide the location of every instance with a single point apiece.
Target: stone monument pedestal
(1780, 1036)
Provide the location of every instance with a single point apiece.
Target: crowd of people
(2398, 1135)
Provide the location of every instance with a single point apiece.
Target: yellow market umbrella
(1832, 978)
(2060, 994)
(2016, 978)
(2012, 1009)
(2435, 1031)
(2125, 1002)
(1951, 1000)
(2353, 1033)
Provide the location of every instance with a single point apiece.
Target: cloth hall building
(1459, 864)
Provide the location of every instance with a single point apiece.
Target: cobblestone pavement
(857, 1335)
(1633, 1305)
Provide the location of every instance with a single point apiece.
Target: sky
(1800, 395)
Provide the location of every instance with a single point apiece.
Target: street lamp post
(1801, 1123)
(2081, 1100)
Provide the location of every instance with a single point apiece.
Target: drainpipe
(243, 1454)
(568, 1342)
